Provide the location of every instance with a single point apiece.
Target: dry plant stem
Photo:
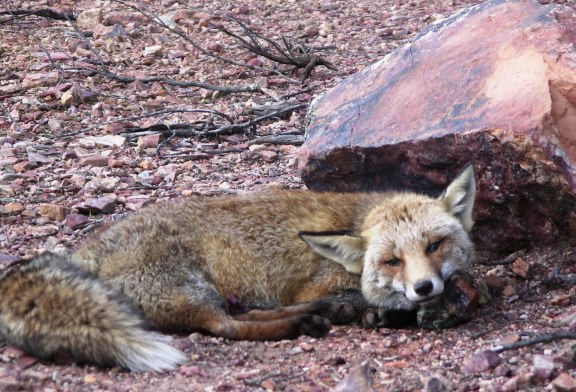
(155, 19)
(295, 140)
(544, 338)
(42, 12)
(152, 114)
(222, 130)
(43, 48)
(88, 43)
(306, 60)
(251, 88)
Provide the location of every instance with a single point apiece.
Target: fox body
(299, 260)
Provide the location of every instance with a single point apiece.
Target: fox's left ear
(343, 247)
(459, 197)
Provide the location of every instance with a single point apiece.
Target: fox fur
(297, 260)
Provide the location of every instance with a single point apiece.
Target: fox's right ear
(343, 247)
(459, 197)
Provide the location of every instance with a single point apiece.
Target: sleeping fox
(298, 260)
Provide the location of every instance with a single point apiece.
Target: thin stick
(545, 338)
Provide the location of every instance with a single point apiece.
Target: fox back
(257, 267)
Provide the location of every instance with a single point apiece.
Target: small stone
(495, 283)
(124, 18)
(155, 50)
(190, 370)
(243, 9)
(508, 339)
(255, 62)
(13, 352)
(54, 124)
(53, 211)
(311, 31)
(114, 128)
(89, 18)
(357, 380)
(115, 163)
(564, 383)
(148, 165)
(23, 166)
(90, 379)
(149, 141)
(94, 160)
(101, 205)
(268, 156)
(481, 361)
(520, 267)
(103, 184)
(76, 220)
(438, 383)
(545, 365)
(257, 147)
(13, 208)
(397, 364)
(68, 98)
(36, 157)
(516, 383)
(103, 141)
(508, 291)
(40, 79)
(137, 202)
(26, 361)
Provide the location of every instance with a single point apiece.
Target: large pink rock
(494, 84)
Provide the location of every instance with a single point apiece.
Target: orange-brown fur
(300, 259)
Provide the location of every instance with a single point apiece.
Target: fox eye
(433, 247)
(393, 262)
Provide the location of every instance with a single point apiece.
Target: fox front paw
(381, 317)
(336, 312)
(314, 326)
(374, 318)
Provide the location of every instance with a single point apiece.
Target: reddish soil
(46, 177)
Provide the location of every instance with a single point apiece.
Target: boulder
(494, 84)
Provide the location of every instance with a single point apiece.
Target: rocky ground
(75, 153)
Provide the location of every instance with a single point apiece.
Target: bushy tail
(50, 306)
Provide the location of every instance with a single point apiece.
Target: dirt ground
(61, 92)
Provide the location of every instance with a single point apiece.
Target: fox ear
(459, 197)
(343, 247)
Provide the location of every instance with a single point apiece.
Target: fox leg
(220, 323)
(187, 315)
(336, 312)
(194, 304)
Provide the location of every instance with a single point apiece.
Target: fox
(262, 266)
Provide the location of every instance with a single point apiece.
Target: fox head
(407, 246)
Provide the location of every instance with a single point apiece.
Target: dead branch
(291, 54)
(41, 46)
(155, 19)
(42, 12)
(295, 140)
(152, 114)
(189, 129)
(251, 88)
(505, 261)
(544, 338)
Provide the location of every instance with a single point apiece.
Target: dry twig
(188, 129)
(291, 54)
(42, 12)
(544, 338)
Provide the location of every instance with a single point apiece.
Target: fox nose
(423, 287)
